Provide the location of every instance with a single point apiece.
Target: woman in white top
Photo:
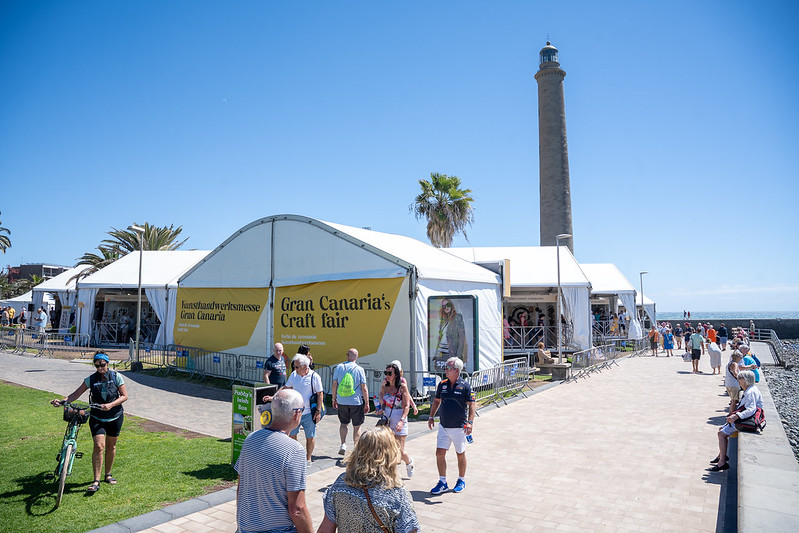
(750, 402)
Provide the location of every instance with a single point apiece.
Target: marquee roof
(606, 278)
(530, 266)
(159, 269)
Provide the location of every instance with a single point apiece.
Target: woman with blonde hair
(369, 496)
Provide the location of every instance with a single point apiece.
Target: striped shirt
(270, 465)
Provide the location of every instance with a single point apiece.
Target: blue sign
(216, 359)
(147, 350)
(259, 364)
(429, 382)
(485, 378)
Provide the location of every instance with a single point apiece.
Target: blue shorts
(306, 422)
(723, 340)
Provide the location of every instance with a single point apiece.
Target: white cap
(396, 362)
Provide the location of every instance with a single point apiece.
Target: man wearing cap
(271, 468)
(350, 398)
(107, 388)
(453, 398)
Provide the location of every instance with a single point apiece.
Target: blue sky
(682, 123)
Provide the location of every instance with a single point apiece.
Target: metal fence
(770, 336)
(599, 358)
(21, 340)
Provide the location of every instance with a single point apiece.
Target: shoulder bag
(385, 418)
(754, 423)
(374, 513)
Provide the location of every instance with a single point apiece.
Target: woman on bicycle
(107, 388)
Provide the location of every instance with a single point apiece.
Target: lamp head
(137, 229)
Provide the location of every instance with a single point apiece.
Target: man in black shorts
(350, 397)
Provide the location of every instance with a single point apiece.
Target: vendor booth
(61, 291)
(298, 280)
(533, 293)
(609, 287)
(107, 299)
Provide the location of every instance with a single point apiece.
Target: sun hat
(101, 356)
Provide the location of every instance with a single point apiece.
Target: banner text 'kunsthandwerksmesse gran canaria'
(333, 316)
(218, 319)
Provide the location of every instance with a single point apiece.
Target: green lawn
(154, 468)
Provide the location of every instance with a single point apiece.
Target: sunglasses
(389, 372)
(100, 365)
(298, 409)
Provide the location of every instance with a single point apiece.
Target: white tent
(63, 285)
(160, 271)
(22, 301)
(298, 280)
(607, 280)
(534, 267)
(648, 306)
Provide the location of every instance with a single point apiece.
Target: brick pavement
(623, 450)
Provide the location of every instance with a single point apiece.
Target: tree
(5, 240)
(124, 241)
(447, 208)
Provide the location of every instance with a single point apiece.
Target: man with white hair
(350, 398)
(453, 397)
(271, 491)
(307, 383)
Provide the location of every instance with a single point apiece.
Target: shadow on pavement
(179, 387)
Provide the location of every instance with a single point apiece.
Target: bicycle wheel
(62, 477)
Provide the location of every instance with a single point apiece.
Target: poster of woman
(451, 330)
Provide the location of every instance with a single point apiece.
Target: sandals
(110, 479)
(718, 468)
(94, 487)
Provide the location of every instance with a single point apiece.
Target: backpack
(347, 386)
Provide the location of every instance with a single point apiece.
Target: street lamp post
(140, 232)
(557, 246)
(643, 309)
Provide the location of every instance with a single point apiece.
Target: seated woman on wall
(750, 401)
(544, 356)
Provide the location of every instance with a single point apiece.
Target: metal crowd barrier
(495, 384)
(770, 336)
(20, 340)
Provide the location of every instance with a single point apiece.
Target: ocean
(722, 315)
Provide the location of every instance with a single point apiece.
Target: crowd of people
(369, 495)
(741, 373)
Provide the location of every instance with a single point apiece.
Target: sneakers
(309, 463)
(440, 488)
(459, 486)
(409, 468)
(342, 449)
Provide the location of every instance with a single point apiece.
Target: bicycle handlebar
(79, 407)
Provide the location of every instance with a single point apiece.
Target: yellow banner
(333, 316)
(218, 320)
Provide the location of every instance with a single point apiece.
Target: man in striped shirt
(271, 467)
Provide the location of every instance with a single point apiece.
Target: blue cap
(101, 356)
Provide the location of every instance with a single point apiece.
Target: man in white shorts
(453, 398)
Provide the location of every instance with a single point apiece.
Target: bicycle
(76, 415)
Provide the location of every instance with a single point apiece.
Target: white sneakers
(409, 468)
(342, 449)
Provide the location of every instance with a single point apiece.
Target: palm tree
(153, 238)
(447, 208)
(124, 241)
(95, 262)
(5, 240)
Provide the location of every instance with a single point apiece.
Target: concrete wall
(785, 328)
(768, 475)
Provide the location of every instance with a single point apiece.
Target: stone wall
(785, 328)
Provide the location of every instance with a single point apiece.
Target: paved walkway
(622, 450)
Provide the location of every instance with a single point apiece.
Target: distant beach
(735, 315)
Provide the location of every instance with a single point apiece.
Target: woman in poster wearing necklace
(451, 335)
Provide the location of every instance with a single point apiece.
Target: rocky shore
(784, 386)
